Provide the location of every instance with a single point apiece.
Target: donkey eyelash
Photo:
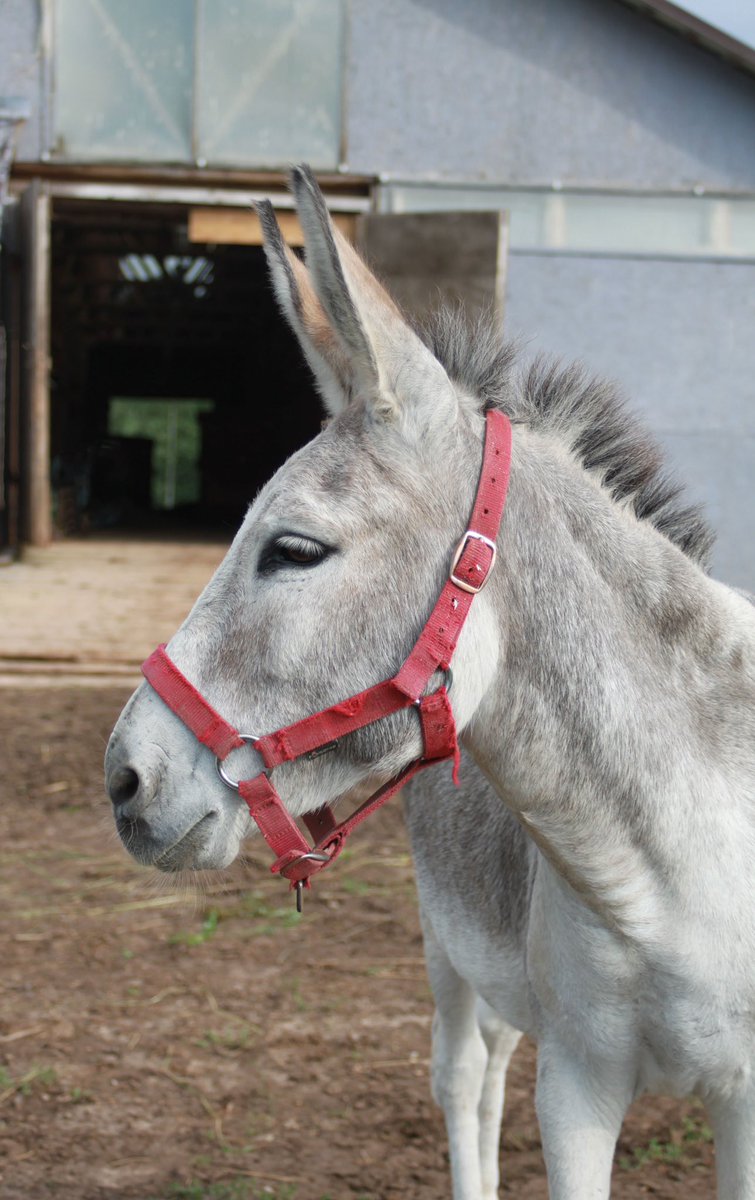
(292, 550)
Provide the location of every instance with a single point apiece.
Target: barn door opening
(176, 389)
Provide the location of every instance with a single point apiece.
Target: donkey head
(331, 576)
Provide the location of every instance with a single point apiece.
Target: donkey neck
(626, 678)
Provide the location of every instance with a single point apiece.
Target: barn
(586, 166)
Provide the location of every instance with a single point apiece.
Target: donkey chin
(206, 845)
(209, 842)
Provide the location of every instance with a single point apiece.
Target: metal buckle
(299, 885)
(233, 783)
(462, 583)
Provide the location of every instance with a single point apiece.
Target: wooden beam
(331, 182)
(36, 494)
(237, 227)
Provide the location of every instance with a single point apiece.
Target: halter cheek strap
(319, 733)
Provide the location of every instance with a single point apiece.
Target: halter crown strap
(433, 651)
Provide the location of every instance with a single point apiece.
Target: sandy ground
(98, 605)
(207, 1044)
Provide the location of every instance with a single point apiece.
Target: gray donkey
(595, 889)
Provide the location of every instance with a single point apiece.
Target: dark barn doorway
(176, 387)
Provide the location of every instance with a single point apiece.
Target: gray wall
(530, 91)
(515, 91)
(678, 337)
(586, 92)
(20, 70)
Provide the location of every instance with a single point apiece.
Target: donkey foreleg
(459, 1061)
(733, 1121)
(500, 1039)
(580, 1108)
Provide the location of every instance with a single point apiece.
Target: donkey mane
(588, 414)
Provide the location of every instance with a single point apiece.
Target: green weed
(233, 1037)
(355, 887)
(36, 1076)
(297, 994)
(230, 1189)
(655, 1151)
(694, 1132)
(198, 938)
(268, 918)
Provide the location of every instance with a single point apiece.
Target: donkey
(589, 882)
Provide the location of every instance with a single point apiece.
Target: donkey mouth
(185, 853)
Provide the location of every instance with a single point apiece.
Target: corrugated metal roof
(733, 17)
(730, 35)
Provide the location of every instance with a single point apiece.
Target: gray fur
(587, 413)
(591, 881)
(478, 859)
(327, 271)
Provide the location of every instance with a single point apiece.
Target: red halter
(317, 734)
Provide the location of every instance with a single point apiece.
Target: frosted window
(222, 82)
(269, 81)
(123, 79)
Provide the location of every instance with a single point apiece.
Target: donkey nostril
(123, 785)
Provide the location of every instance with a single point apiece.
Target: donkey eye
(294, 550)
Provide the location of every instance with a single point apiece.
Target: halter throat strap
(320, 732)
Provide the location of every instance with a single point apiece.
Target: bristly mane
(586, 413)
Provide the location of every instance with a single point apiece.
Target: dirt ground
(205, 1043)
(99, 605)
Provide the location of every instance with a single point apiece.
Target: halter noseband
(317, 734)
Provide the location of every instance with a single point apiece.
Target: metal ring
(447, 684)
(233, 783)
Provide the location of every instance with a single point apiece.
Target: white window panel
(595, 222)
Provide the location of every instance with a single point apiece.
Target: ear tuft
(266, 213)
(278, 257)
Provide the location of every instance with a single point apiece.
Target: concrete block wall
(678, 338)
(586, 92)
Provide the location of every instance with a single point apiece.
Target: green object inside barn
(174, 428)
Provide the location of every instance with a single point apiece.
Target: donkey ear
(298, 301)
(381, 347)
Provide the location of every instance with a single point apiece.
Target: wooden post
(13, 402)
(36, 496)
(439, 257)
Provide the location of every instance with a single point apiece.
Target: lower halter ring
(234, 783)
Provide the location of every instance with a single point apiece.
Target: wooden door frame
(36, 491)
